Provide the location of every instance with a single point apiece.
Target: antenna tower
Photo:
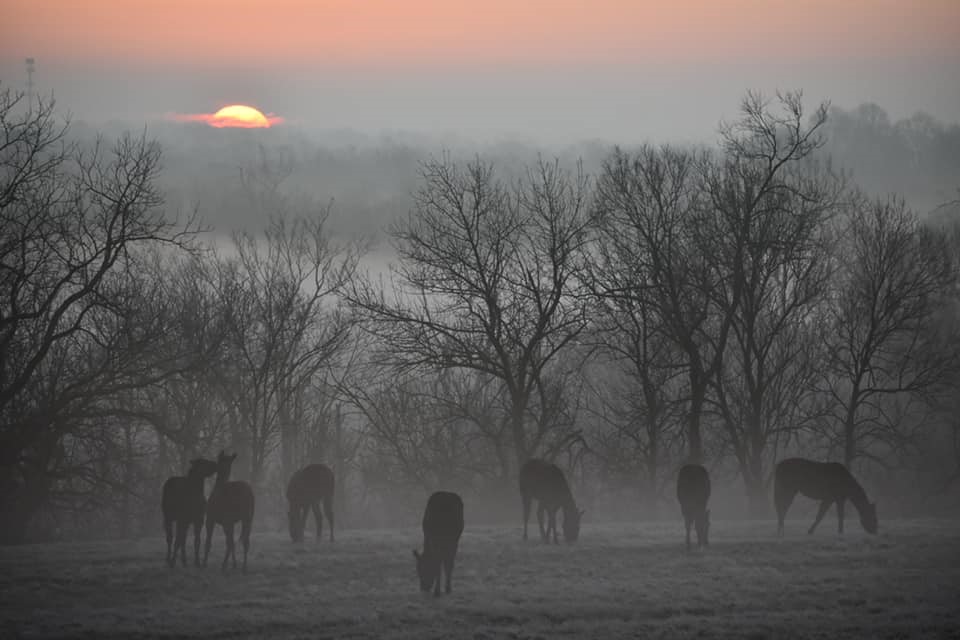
(31, 67)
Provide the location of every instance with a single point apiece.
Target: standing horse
(183, 503)
(231, 501)
(546, 482)
(693, 491)
(307, 488)
(828, 482)
(442, 526)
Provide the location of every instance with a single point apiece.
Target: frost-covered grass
(619, 581)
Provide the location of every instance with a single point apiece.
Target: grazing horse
(828, 482)
(183, 503)
(307, 488)
(442, 526)
(231, 501)
(693, 491)
(546, 482)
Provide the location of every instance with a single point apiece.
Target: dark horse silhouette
(307, 488)
(693, 491)
(546, 482)
(231, 501)
(442, 526)
(183, 503)
(828, 482)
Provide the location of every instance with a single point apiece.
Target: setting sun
(238, 116)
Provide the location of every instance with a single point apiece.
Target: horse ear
(416, 554)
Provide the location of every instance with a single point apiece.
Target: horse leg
(840, 515)
(245, 539)
(686, 523)
(182, 526)
(168, 527)
(448, 568)
(197, 529)
(317, 519)
(782, 500)
(552, 515)
(328, 511)
(302, 522)
(228, 533)
(526, 499)
(824, 506)
(544, 533)
(211, 525)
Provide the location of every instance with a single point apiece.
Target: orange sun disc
(239, 115)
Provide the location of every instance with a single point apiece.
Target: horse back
(693, 487)
(313, 483)
(180, 501)
(231, 502)
(816, 480)
(545, 482)
(442, 521)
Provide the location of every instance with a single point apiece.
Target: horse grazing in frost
(828, 482)
(184, 504)
(442, 526)
(545, 482)
(307, 488)
(693, 491)
(231, 501)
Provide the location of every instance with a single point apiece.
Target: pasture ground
(619, 581)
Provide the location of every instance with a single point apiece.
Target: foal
(231, 501)
(183, 504)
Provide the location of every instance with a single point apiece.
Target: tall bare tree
(654, 261)
(767, 230)
(886, 336)
(285, 325)
(72, 223)
(487, 280)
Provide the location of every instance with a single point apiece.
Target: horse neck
(221, 481)
(567, 503)
(195, 481)
(857, 495)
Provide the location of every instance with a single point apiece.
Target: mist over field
(627, 319)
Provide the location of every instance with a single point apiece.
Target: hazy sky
(566, 69)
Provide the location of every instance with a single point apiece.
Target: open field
(619, 581)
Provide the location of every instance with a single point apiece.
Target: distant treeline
(373, 178)
(619, 311)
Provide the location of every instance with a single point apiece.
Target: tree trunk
(758, 503)
(694, 439)
(519, 432)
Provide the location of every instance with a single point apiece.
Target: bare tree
(72, 222)
(487, 280)
(637, 379)
(886, 338)
(653, 262)
(285, 325)
(767, 221)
